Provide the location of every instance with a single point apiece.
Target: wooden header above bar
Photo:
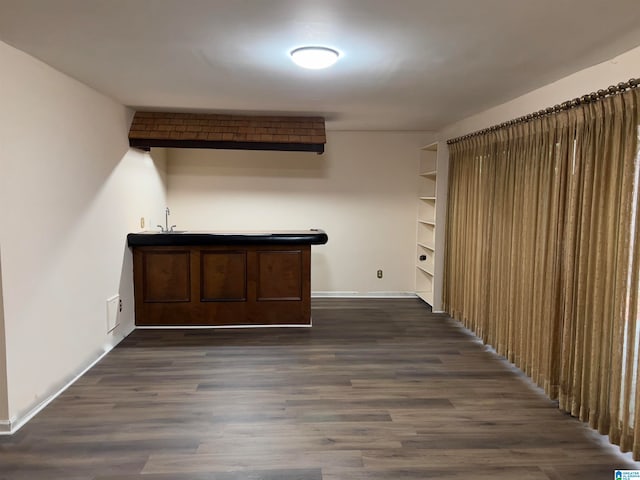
(233, 132)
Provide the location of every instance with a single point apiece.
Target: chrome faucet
(166, 228)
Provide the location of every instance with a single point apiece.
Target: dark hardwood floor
(377, 389)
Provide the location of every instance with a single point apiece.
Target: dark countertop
(190, 237)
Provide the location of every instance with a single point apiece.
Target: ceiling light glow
(314, 58)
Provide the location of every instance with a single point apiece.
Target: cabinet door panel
(279, 275)
(167, 276)
(223, 276)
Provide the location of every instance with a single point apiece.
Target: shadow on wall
(243, 163)
(126, 318)
(321, 267)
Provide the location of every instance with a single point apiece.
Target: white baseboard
(349, 294)
(5, 427)
(11, 426)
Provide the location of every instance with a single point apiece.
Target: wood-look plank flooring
(377, 389)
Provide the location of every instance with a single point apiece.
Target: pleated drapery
(543, 255)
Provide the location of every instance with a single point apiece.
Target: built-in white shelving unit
(426, 241)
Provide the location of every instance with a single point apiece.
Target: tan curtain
(543, 254)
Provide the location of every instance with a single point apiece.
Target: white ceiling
(406, 64)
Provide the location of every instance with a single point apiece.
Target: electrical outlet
(379, 273)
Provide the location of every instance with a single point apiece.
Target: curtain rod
(569, 104)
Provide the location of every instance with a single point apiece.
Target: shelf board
(431, 199)
(426, 296)
(427, 247)
(425, 270)
(428, 222)
(432, 173)
(432, 147)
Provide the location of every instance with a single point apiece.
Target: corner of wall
(160, 157)
(100, 190)
(4, 391)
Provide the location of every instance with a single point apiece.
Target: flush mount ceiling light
(314, 58)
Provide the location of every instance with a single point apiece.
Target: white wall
(362, 191)
(618, 69)
(70, 191)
